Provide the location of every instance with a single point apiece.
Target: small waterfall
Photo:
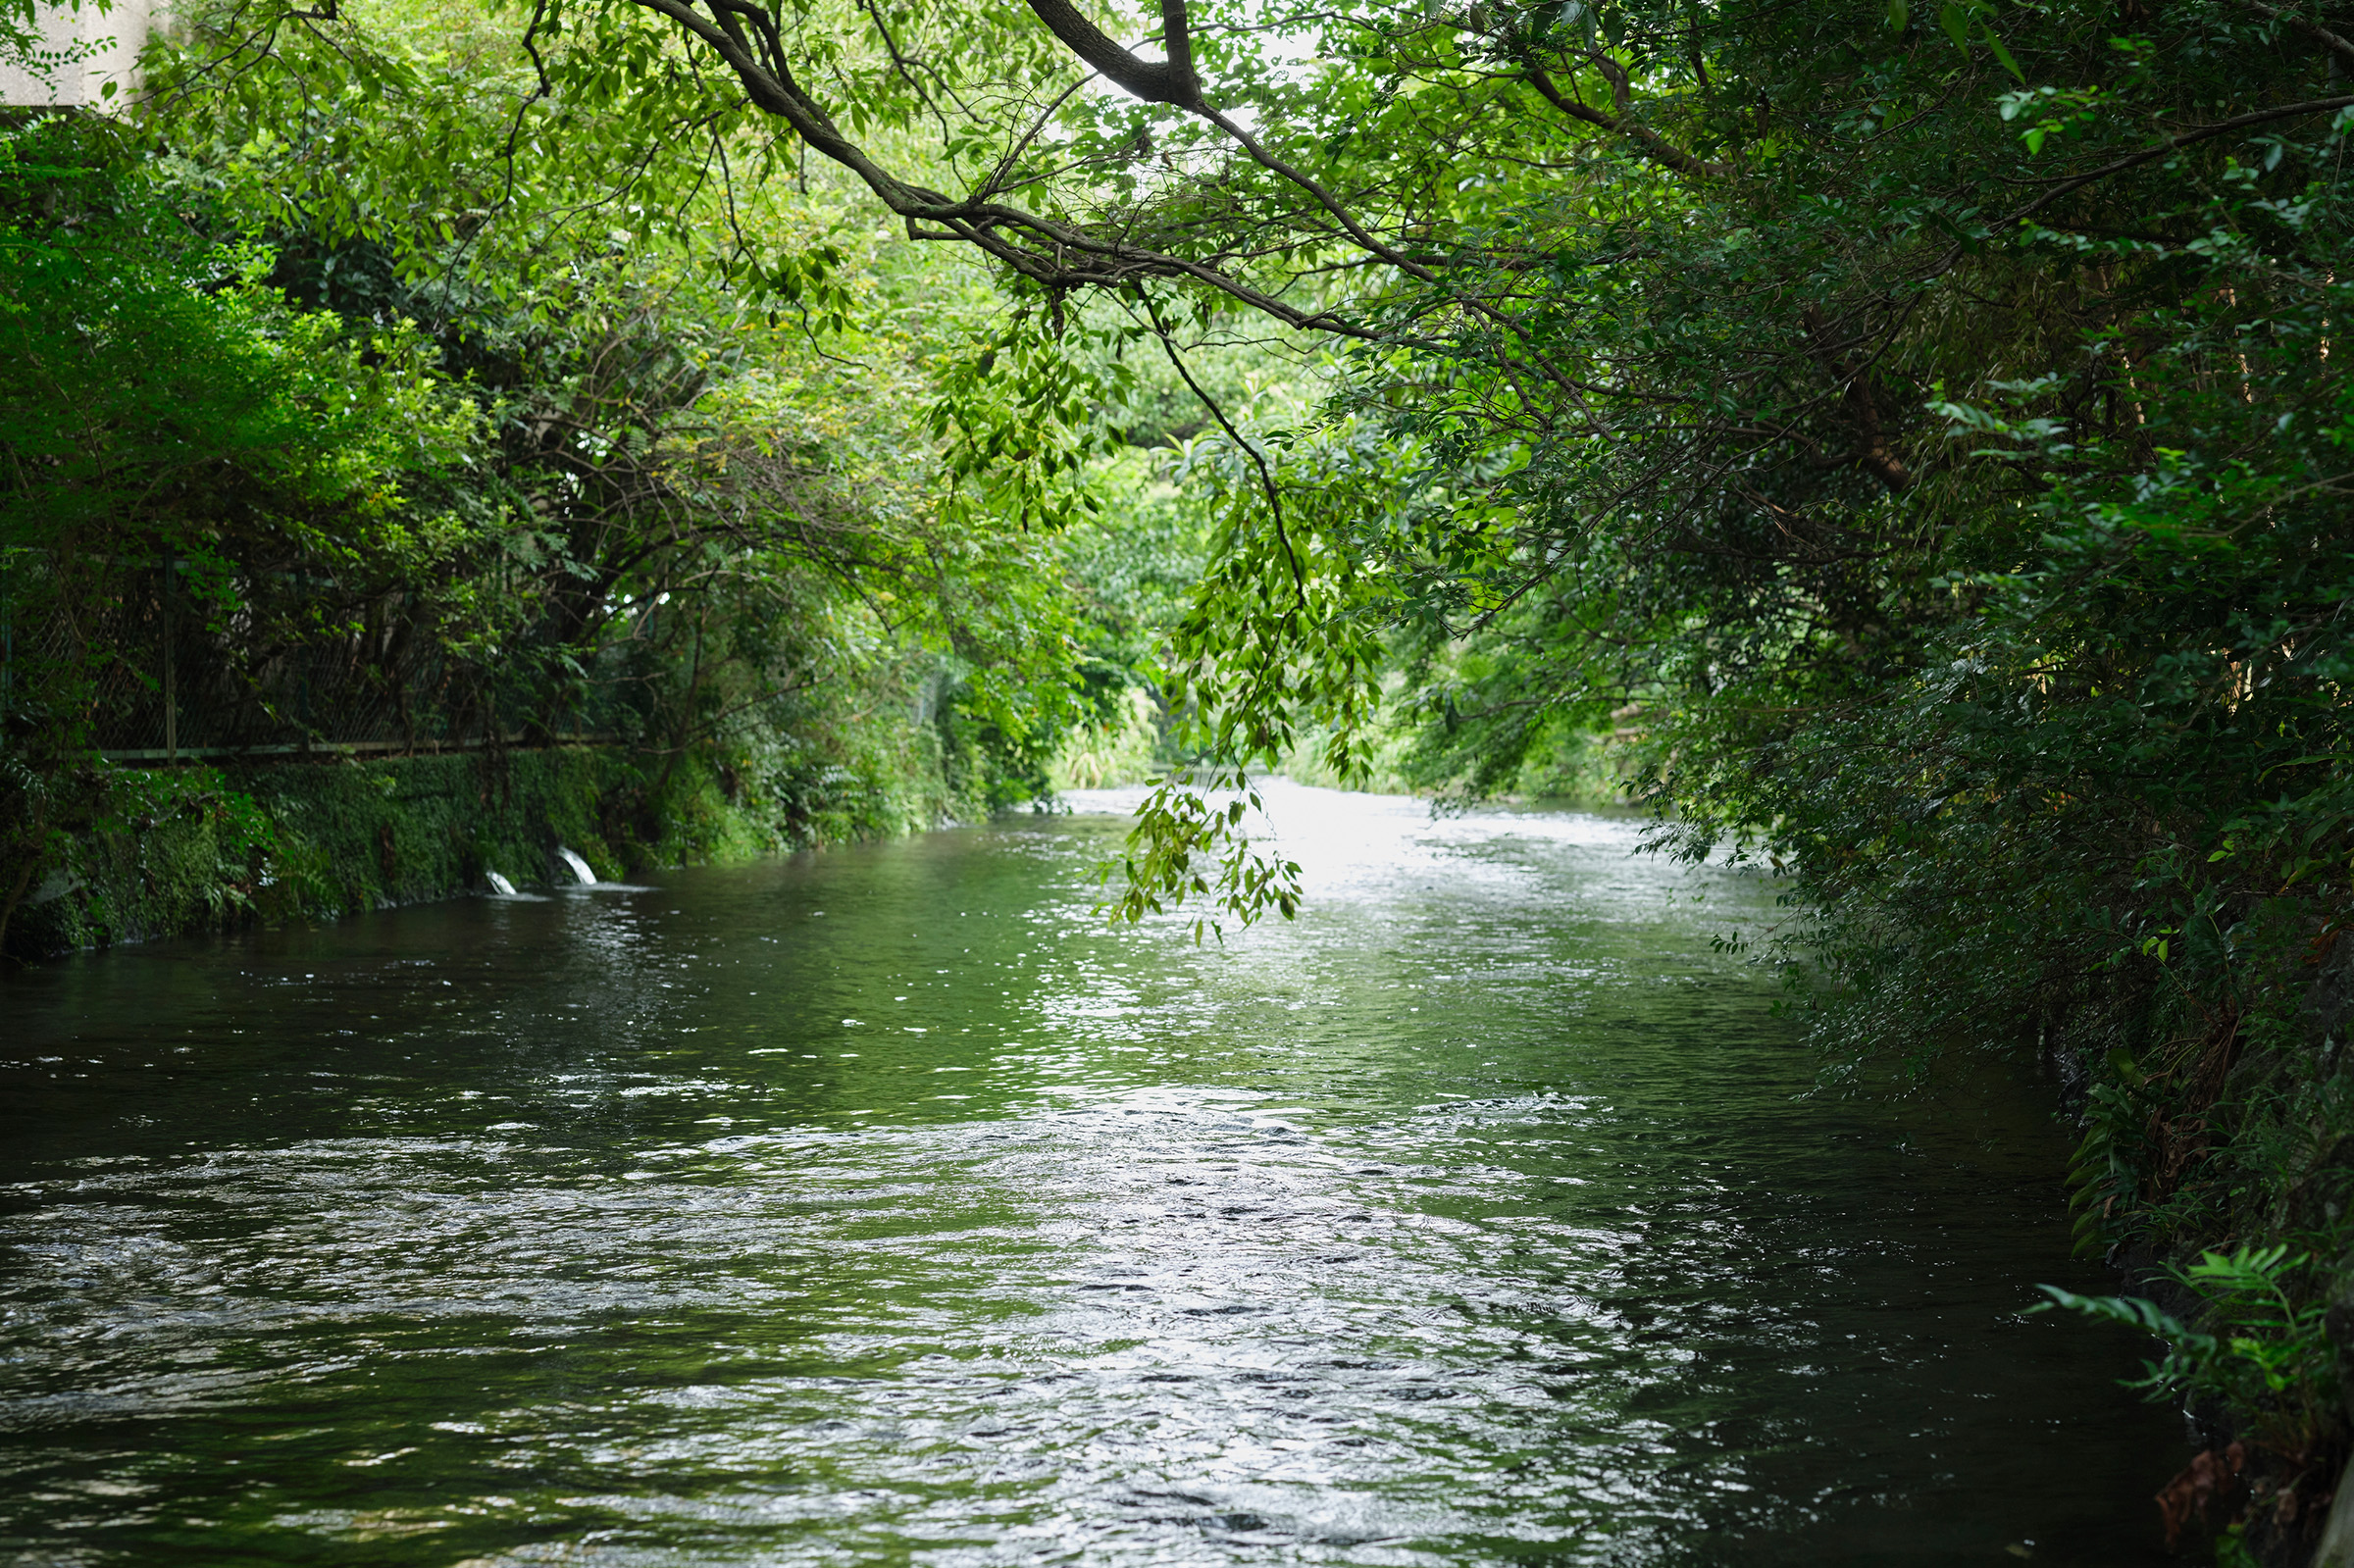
(579, 867)
(500, 884)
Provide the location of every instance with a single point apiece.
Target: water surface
(884, 1206)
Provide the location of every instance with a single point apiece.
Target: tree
(1922, 436)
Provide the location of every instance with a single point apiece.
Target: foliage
(171, 420)
(400, 417)
(2268, 1352)
(206, 847)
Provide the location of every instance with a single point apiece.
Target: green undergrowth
(1121, 747)
(1572, 768)
(170, 851)
(2216, 1169)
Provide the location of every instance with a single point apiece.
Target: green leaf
(2002, 54)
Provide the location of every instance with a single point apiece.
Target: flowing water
(884, 1206)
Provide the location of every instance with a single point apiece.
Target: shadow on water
(884, 1206)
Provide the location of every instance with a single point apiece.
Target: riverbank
(166, 852)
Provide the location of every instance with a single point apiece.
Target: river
(883, 1205)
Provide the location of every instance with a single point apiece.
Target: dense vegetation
(1909, 449)
(321, 432)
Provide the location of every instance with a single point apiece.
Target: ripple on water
(883, 1206)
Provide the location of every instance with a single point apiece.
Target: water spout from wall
(500, 886)
(579, 867)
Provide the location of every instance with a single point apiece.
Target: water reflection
(883, 1206)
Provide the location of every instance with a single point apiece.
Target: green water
(883, 1206)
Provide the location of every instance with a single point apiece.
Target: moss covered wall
(166, 852)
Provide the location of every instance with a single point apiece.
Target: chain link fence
(166, 680)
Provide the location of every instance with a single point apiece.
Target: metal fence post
(170, 674)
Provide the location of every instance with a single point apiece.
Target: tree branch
(1171, 82)
(1648, 142)
(2313, 106)
(1266, 476)
(2337, 45)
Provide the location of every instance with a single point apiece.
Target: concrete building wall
(105, 47)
